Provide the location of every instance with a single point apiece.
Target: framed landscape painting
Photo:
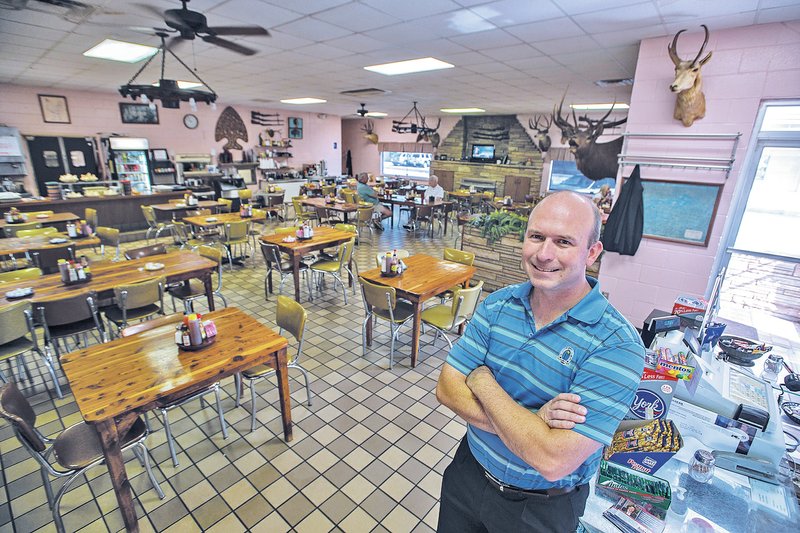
(54, 109)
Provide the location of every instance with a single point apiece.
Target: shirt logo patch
(565, 356)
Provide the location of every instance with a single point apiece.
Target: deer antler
(702, 48)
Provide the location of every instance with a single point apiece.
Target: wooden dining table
(396, 199)
(324, 237)
(339, 207)
(49, 220)
(424, 278)
(211, 221)
(173, 210)
(20, 245)
(178, 266)
(113, 383)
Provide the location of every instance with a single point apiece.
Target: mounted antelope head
(595, 160)
(369, 132)
(690, 103)
(542, 136)
(429, 134)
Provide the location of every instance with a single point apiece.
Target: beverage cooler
(128, 160)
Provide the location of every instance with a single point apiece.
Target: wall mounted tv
(482, 153)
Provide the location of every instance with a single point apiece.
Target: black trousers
(470, 503)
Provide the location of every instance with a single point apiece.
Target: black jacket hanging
(623, 229)
(348, 164)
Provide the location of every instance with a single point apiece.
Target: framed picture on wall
(565, 176)
(138, 113)
(680, 211)
(54, 108)
(295, 128)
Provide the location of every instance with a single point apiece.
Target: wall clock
(190, 121)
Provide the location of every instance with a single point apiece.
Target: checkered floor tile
(367, 455)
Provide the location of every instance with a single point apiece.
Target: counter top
(48, 202)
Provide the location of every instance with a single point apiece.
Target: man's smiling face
(556, 250)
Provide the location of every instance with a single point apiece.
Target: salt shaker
(772, 367)
(702, 466)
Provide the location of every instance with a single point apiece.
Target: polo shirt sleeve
(469, 352)
(606, 382)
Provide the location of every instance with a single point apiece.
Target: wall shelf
(723, 163)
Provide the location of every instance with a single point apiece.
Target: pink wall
(365, 154)
(93, 113)
(749, 65)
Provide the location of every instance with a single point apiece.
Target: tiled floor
(367, 455)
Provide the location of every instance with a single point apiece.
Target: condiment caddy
(194, 333)
(13, 216)
(75, 272)
(391, 265)
(77, 231)
(305, 232)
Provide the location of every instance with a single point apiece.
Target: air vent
(265, 100)
(372, 91)
(614, 83)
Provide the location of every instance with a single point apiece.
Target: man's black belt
(510, 489)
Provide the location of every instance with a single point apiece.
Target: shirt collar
(589, 310)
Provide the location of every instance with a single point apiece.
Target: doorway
(761, 256)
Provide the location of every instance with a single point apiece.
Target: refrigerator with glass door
(129, 160)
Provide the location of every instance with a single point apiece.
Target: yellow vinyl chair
(72, 452)
(225, 205)
(90, 215)
(276, 263)
(37, 232)
(235, 234)
(184, 238)
(364, 221)
(12, 276)
(196, 290)
(334, 268)
(457, 256)
(301, 214)
(153, 225)
(380, 302)
(17, 336)
(11, 229)
(109, 237)
(136, 301)
(245, 194)
(290, 317)
(445, 318)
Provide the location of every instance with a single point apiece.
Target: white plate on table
(42, 215)
(288, 239)
(211, 219)
(58, 240)
(19, 293)
(153, 266)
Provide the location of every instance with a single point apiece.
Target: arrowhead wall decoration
(230, 126)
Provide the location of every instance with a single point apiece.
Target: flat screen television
(482, 153)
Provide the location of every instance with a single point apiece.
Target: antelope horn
(531, 125)
(703, 47)
(673, 49)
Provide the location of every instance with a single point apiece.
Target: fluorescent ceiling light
(376, 114)
(301, 101)
(184, 84)
(406, 67)
(120, 51)
(599, 107)
(462, 110)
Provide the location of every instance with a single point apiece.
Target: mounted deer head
(595, 160)
(369, 132)
(542, 136)
(428, 134)
(690, 103)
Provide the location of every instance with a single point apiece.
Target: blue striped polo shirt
(590, 350)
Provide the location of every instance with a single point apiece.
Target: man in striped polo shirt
(543, 375)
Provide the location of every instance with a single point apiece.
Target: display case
(81, 189)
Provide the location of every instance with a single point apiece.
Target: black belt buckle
(504, 488)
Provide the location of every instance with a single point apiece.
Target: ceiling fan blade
(237, 30)
(228, 44)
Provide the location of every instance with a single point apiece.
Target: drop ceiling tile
(521, 51)
(631, 36)
(417, 8)
(357, 42)
(575, 7)
(437, 48)
(778, 14)
(542, 31)
(465, 21)
(510, 12)
(701, 10)
(243, 11)
(571, 44)
(614, 19)
(483, 40)
(322, 51)
(314, 29)
(466, 59)
(307, 7)
(357, 17)
(284, 40)
(531, 64)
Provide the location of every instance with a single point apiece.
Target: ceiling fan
(190, 24)
(363, 111)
